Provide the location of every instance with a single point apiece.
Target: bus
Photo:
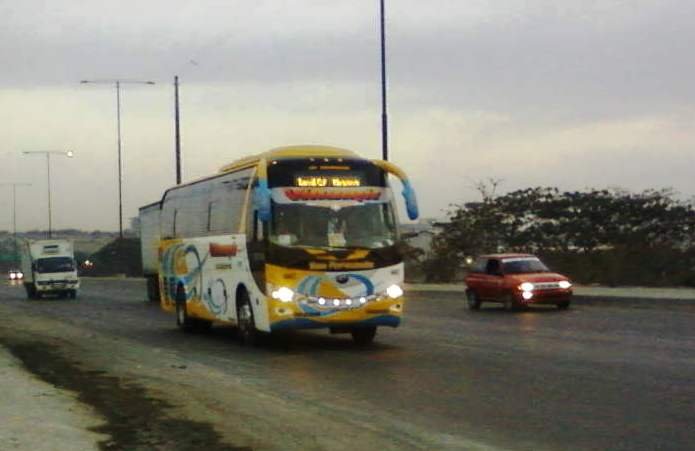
(299, 237)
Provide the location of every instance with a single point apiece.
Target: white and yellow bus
(297, 237)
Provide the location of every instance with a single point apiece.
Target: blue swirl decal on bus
(192, 279)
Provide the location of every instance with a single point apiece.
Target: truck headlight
(394, 291)
(283, 294)
(565, 284)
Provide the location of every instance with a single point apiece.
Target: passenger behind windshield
(55, 264)
(524, 266)
(361, 226)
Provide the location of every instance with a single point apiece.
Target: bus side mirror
(262, 200)
(410, 200)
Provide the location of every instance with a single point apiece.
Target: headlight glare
(526, 286)
(565, 284)
(394, 291)
(283, 294)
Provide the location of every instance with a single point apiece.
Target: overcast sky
(572, 94)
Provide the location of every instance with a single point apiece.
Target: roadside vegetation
(605, 236)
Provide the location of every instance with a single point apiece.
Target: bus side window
(174, 224)
(258, 228)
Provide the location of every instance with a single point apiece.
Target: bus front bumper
(285, 316)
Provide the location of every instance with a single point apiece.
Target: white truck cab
(49, 267)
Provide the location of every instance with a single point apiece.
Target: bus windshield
(55, 264)
(368, 226)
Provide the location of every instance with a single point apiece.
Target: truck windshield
(368, 226)
(523, 266)
(55, 264)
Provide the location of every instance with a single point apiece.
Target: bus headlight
(283, 294)
(394, 291)
(526, 286)
(564, 284)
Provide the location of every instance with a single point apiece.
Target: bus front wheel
(363, 336)
(247, 325)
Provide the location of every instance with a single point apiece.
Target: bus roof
(299, 151)
(278, 153)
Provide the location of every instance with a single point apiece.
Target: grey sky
(572, 94)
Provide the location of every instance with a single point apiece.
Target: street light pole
(118, 83)
(384, 114)
(120, 159)
(48, 188)
(177, 132)
(14, 215)
(48, 153)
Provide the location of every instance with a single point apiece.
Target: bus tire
(363, 336)
(184, 322)
(248, 335)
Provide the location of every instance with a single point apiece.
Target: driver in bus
(283, 234)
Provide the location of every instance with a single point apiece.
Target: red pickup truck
(515, 280)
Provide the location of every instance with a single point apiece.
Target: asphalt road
(593, 377)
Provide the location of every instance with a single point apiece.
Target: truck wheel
(72, 294)
(363, 336)
(29, 287)
(474, 302)
(153, 288)
(248, 335)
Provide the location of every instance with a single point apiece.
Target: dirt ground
(91, 406)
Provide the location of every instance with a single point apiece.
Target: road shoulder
(33, 410)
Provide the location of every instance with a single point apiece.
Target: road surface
(593, 377)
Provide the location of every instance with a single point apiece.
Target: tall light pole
(384, 115)
(48, 153)
(14, 215)
(118, 84)
(177, 132)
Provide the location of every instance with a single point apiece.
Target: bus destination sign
(328, 181)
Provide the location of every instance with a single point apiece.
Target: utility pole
(384, 114)
(48, 153)
(118, 131)
(177, 133)
(14, 216)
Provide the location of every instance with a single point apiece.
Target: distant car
(515, 280)
(15, 274)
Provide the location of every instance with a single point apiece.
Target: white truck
(49, 268)
(149, 247)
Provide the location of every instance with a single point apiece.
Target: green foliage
(607, 236)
